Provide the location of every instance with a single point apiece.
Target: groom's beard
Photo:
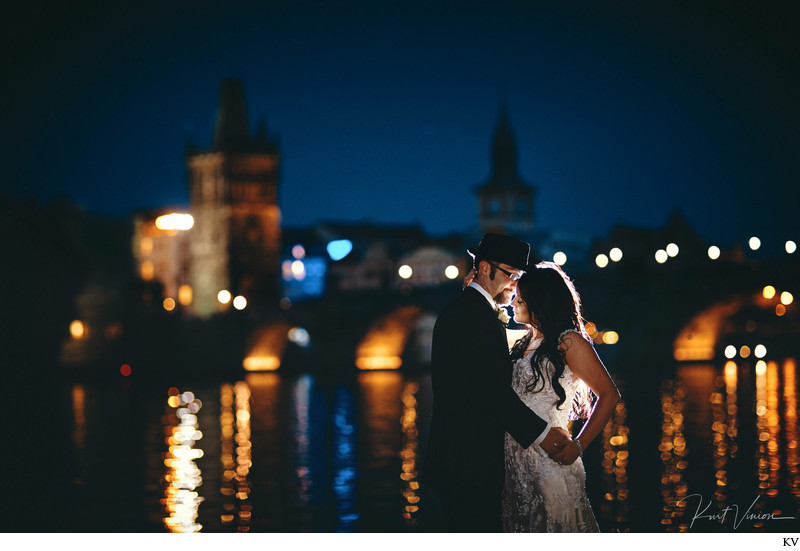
(504, 297)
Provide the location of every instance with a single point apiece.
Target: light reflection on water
(752, 467)
(285, 453)
(181, 500)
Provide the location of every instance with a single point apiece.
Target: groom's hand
(567, 454)
(555, 441)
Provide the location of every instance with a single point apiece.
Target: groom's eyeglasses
(512, 276)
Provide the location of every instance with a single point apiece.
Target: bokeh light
(760, 351)
(339, 249)
(754, 243)
(169, 304)
(768, 292)
(791, 247)
(780, 309)
(560, 258)
(185, 295)
(240, 303)
(672, 250)
(125, 370)
(730, 351)
(299, 336)
(744, 351)
(610, 337)
(661, 256)
(713, 252)
(298, 252)
(786, 298)
(451, 272)
(601, 260)
(77, 329)
(299, 270)
(224, 296)
(405, 271)
(615, 254)
(175, 221)
(148, 270)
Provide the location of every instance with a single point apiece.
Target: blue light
(339, 249)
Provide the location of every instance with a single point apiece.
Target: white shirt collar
(485, 294)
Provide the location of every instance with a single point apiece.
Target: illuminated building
(233, 192)
(162, 251)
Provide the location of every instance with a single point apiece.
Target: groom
(474, 404)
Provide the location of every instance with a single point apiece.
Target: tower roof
(232, 131)
(504, 157)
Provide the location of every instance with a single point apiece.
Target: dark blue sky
(622, 112)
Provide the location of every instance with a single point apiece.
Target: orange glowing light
(780, 309)
(146, 246)
(768, 292)
(185, 295)
(610, 337)
(125, 370)
(147, 270)
(77, 329)
(261, 363)
(379, 362)
(744, 352)
(787, 298)
(169, 304)
(268, 347)
(383, 346)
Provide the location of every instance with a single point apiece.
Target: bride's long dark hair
(554, 306)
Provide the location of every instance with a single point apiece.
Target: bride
(555, 365)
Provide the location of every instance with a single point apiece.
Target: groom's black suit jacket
(473, 405)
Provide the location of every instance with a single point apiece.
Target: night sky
(622, 112)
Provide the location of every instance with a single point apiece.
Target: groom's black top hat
(502, 249)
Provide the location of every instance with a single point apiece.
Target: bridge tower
(235, 242)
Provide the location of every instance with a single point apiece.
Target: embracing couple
(499, 454)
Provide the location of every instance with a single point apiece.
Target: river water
(702, 448)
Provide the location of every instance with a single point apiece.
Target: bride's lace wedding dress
(540, 495)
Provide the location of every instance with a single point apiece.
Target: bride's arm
(586, 365)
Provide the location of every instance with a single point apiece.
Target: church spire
(505, 199)
(232, 131)
(504, 148)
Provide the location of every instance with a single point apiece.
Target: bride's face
(521, 312)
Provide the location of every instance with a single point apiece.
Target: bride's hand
(568, 453)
